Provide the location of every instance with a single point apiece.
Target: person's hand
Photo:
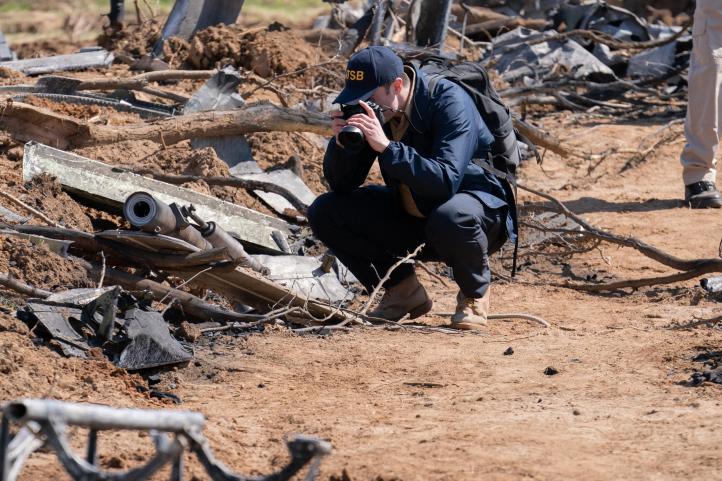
(337, 122)
(371, 127)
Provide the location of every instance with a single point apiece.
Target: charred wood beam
(26, 122)
(433, 23)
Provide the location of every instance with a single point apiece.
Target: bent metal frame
(45, 421)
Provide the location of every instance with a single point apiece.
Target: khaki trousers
(704, 110)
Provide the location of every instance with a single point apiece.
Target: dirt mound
(265, 52)
(46, 48)
(135, 40)
(53, 376)
(9, 76)
(79, 111)
(38, 266)
(184, 160)
(273, 149)
(106, 115)
(45, 194)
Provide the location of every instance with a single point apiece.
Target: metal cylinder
(149, 214)
(220, 238)
(95, 416)
(191, 235)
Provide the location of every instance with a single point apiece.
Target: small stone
(189, 332)
(509, 351)
(261, 385)
(576, 412)
(551, 371)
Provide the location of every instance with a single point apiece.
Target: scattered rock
(509, 351)
(189, 332)
(551, 371)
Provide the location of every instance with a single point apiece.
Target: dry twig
(11, 283)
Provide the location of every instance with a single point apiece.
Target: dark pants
(369, 233)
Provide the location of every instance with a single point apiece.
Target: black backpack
(505, 155)
(473, 78)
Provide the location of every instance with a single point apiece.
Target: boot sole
(467, 326)
(421, 310)
(705, 204)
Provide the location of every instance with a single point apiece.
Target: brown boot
(406, 297)
(471, 313)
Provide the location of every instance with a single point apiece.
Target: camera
(351, 137)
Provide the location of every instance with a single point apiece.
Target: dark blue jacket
(434, 156)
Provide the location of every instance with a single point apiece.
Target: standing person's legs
(704, 110)
(463, 232)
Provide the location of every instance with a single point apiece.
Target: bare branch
(11, 283)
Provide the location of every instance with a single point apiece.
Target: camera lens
(352, 138)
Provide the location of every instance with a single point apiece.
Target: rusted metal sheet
(109, 186)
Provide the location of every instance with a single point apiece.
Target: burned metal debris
(110, 187)
(44, 422)
(110, 319)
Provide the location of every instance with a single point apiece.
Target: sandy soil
(404, 405)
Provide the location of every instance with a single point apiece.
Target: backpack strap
(487, 165)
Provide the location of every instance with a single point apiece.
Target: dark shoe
(702, 195)
(406, 297)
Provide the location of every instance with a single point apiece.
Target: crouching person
(424, 142)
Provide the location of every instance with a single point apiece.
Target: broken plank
(61, 63)
(109, 187)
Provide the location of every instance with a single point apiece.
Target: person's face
(389, 97)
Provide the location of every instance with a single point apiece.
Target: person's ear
(398, 84)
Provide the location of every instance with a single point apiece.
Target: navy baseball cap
(368, 70)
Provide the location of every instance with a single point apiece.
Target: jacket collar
(421, 101)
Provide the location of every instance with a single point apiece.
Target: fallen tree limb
(492, 27)
(690, 268)
(646, 282)
(541, 138)
(26, 122)
(11, 283)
